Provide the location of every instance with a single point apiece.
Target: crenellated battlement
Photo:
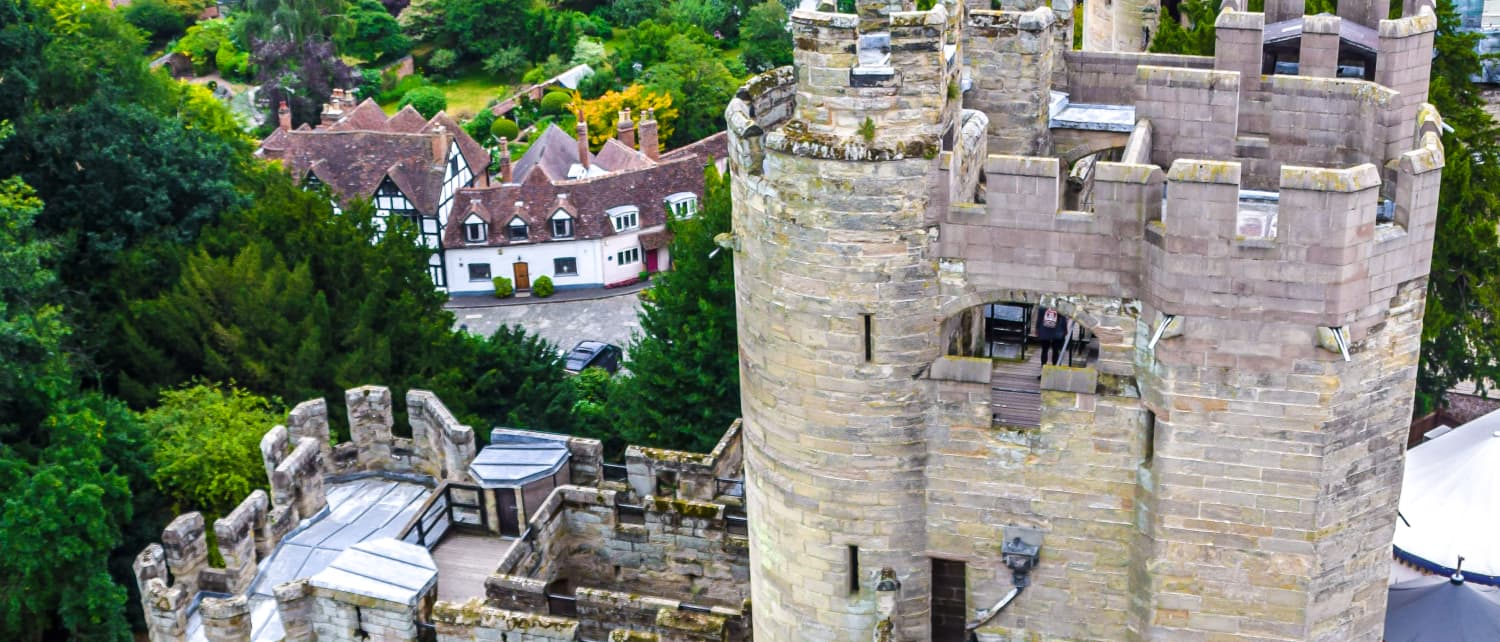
(873, 85)
(1244, 239)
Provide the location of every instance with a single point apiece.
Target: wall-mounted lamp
(1022, 548)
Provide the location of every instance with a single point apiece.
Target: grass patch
(467, 93)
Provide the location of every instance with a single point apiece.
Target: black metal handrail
(616, 472)
(736, 524)
(562, 604)
(729, 487)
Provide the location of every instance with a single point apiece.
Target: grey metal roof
(1349, 31)
(1065, 114)
(384, 569)
(513, 459)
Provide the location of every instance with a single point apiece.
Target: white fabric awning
(1451, 498)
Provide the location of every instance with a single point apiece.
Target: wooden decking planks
(464, 560)
(1016, 393)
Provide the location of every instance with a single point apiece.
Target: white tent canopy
(1451, 498)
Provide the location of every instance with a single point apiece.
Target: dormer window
(562, 225)
(683, 205)
(517, 230)
(475, 230)
(625, 218)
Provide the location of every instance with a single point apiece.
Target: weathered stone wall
(1009, 55)
(684, 475)
(681, 551)
(475, 621)
(1108, 78)
(1405, 66)
(1239, 47)
(1329, 122)
(310, 419)
(834, 438)
(1193, 113)
(226, 619)
(443, 446)
(370, 422)
(298, 480)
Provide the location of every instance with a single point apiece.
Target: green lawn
(468, 92)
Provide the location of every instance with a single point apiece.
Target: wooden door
(523, 278)
(651, 259)
(510, 518)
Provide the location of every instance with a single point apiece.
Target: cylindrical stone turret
(837, 294)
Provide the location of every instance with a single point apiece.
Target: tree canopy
(683, 389)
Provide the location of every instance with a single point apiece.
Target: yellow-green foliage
(206, 445)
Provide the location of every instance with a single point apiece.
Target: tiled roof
(354, 154)
(640, 182)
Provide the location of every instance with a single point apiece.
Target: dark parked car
(592, 354)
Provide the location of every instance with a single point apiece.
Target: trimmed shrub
(442, 61)
(555, 103)
(543, 286)
(428, 101)
(503, 287)
(505, 128)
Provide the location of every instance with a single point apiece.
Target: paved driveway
(612, 320)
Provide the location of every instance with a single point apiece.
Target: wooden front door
(523, 279)
(510, 518)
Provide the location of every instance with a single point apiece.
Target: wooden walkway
(464, 560)
(1016, 391)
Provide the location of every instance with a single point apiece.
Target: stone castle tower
(1245, 238)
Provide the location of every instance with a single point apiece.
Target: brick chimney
(284, 116)
(626, 129)
(583, 141)
(505, 176)
(441, 140)
(649, 145)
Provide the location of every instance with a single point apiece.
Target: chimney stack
(505, 176)
(284, 116)
(649, 145)
(440, 144)
(583, 141)
(626, 129)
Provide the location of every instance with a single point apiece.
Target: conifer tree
(684, 386)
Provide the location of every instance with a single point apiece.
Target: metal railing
(460, 505)
(729, 487)
(615, 472)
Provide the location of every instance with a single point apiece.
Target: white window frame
(556, 263)
(684, 205)
(513, 225)
(487, 268)
(475, 229)
(633, 255)
(561, 216)
(625, 218)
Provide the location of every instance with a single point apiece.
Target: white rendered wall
(539, 261)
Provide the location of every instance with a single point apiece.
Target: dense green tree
(1460, 336)
(290, 301)
(156, 18)
(373, 33)
(292, 46)
(709, 15)
(513, 378)
(627, 13)
(1192, 33)
(683, 390)
(427, 100)
(765, 41)
(67, 458)
(700, 85)
(207, 445)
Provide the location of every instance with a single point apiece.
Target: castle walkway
(358, 511)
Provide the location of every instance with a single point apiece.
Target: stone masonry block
(370, 422)
(186, 550)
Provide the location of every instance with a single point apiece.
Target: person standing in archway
(1051, 329)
